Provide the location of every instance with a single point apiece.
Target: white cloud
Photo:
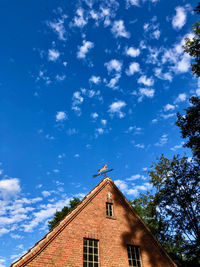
(61, 116)
(132, 52)
(9, 188)
(60, 78)
(162, 76)
(145, 92)
(53, 54)
(136, 177)
(99, 131)
(162, 141)
(169, 107)
(183, 65)
(133, 67)
(177, 146)
(84, 49)
(181, 98)
(77, 99)
(198, 89)
(133, 2)
(46, 193)
(2, 262)
(113, 82)
(164, 116)
(118, 29)
(123, 186)
(104, 122)
(95, 79)
(141, 146)
(115, 108)
(47, 211)
(79, 20)
(146, 81)
(152, 29)
(94, 115)
(198, 92)
(179, 19)
(58, 27)
(113, 65)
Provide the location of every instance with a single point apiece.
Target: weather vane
(103, 171)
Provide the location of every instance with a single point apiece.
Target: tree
(177, 198)
(192, 45)
(59, 215)
(189, 125)
(172, 211)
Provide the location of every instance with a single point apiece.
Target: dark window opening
(90, 252)
(134, 258)
(109, 209)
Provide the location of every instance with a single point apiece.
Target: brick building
(103, 230)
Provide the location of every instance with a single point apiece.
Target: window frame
(135, 256)
(108, 210)
(88, 261)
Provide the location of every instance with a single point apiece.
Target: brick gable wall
(66, 249)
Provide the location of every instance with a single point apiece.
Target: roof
(51, 235)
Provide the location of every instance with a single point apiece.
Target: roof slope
(51, 235)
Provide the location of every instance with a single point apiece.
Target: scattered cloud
(177, 146)
(94, 115)
(115, 108)
(134, 190)
(146, 81)
(169, 107)
(118, 29)
(77, 100)
(179, 19)
(162, 141)
(79, 20)
(146, 92)
(61, 116)
(113, 81)
(132, 52)
(95, 79)
(58, 27)
(104, 122)
(136, 177)
(133, 68)
(113, 65)
(84, 49)
(167, 116)
(151, 29)
(9, 188)
(141, 146)
(181, 97)
(53, 55)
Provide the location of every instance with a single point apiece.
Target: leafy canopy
(189, 125)
(59, 215)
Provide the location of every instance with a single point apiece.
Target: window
(109, 209)
(90, 253)
(134, 256)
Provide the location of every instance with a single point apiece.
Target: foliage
(192, 46)
(190, 126)
(145, 207)
(177, 197)
(173, 212)
(59, 215)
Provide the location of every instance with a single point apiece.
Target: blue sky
(84, 83)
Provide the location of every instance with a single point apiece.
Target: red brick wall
(113, 235)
